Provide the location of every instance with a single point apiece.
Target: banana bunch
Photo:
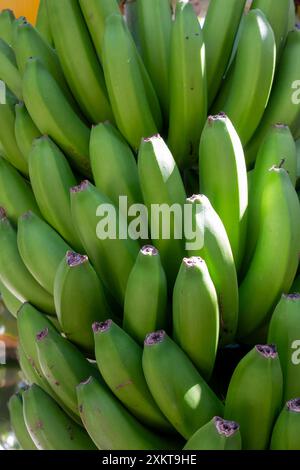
(150, 224)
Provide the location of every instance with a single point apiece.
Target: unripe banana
(14, 274)
(49, 427)
(15, 193)
(9, 72)
(267, 277)
(283, 106)
(176, 386)
(284, 331)
(145, 306)
(218, 434)
(30, 373)
(196, 314)
(79, 299)
(42, 23)
(188, 91)
(53, 114)
(113, 165)
(218, 47)
(110, 425)
(48, 169)
(15, 406)
(162, 188)
(25, 130)
(254, 396)
(112, 256)
(119, 359)
(7, 18)
(286, 432)
(15, 26)
(10, 300)
(224, 180)
(217, 254)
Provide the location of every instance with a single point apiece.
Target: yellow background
(26, 8)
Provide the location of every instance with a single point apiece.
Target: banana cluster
(130, 343)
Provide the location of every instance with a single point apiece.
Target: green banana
(95, 13)
(9, 72)
(7, 18)
(217, 254)
(42, 22)
(128, 84)
(162, 188)
(292, 19)
(286, 431)
(119, 359)
(111, 255)
(254, 396)
(188, 91)
(11, 302)
(15, 406)
(41, 249)
(79, 299)
(15, 193)
(49, 427)
(269, 276)
(154, 21)
(48, 169)
(145, 305)
(13, 272)
(282, 106)
(219, 176)
(284, 331)
(110, 425)
(53, 114)
(176, 386)
(254, 67)
(30, 373)
(196, 314)
(218, 434)
(25, 130)
(113, 165)
(218, 47)
(15, 26)
(82, 69)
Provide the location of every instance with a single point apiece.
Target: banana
(254, 396)
(283, 106)
(196, 314)
(49, 427)
(41, 249)
(82, 69)
(218, 47)
(79, 299)
(112, 255)
(154, 20)
(95, 13)
(30, 373)
(128, 84)
(113, 165)
(176, 386)
(218, 434)
(15, 193)
(48, 169)
(286, 431)
(53, 114)
(219, 176)
(217, 254)
(279, 232)
(25, 130)
(10, 301)
(15, 26)
(42, 23)
(188, 89)
(292, 18)
(162, 189)
(15, 406)
(7, 18)
(284, 331)
(13, 272)
(145, 305)
(110, 425)
(254, 67)
(119, 359)
(9, 72)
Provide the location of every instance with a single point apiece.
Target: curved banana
(11, 302)
(29, 371)
(15, 26)
(15, 406)
(286, 431)
(9, 72)
(176, 386)
(53, 115)
(196, 314)
(224, 180)
(188, 90)
(42, 23)
(48, 169)
(7, 18)
(254, 396)
(25, 130)
(49, 427)
(218, 434)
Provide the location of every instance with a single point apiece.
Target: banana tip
(80, 187)
(268, 351)
(151, 138)
(42, 334)
(2, 213)
(294, 405)
(101, 327)
(75, 259)
(155, 338)
(149, 250)
(225, 427)
(216, 117)
(192, 262)
(294, 296)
